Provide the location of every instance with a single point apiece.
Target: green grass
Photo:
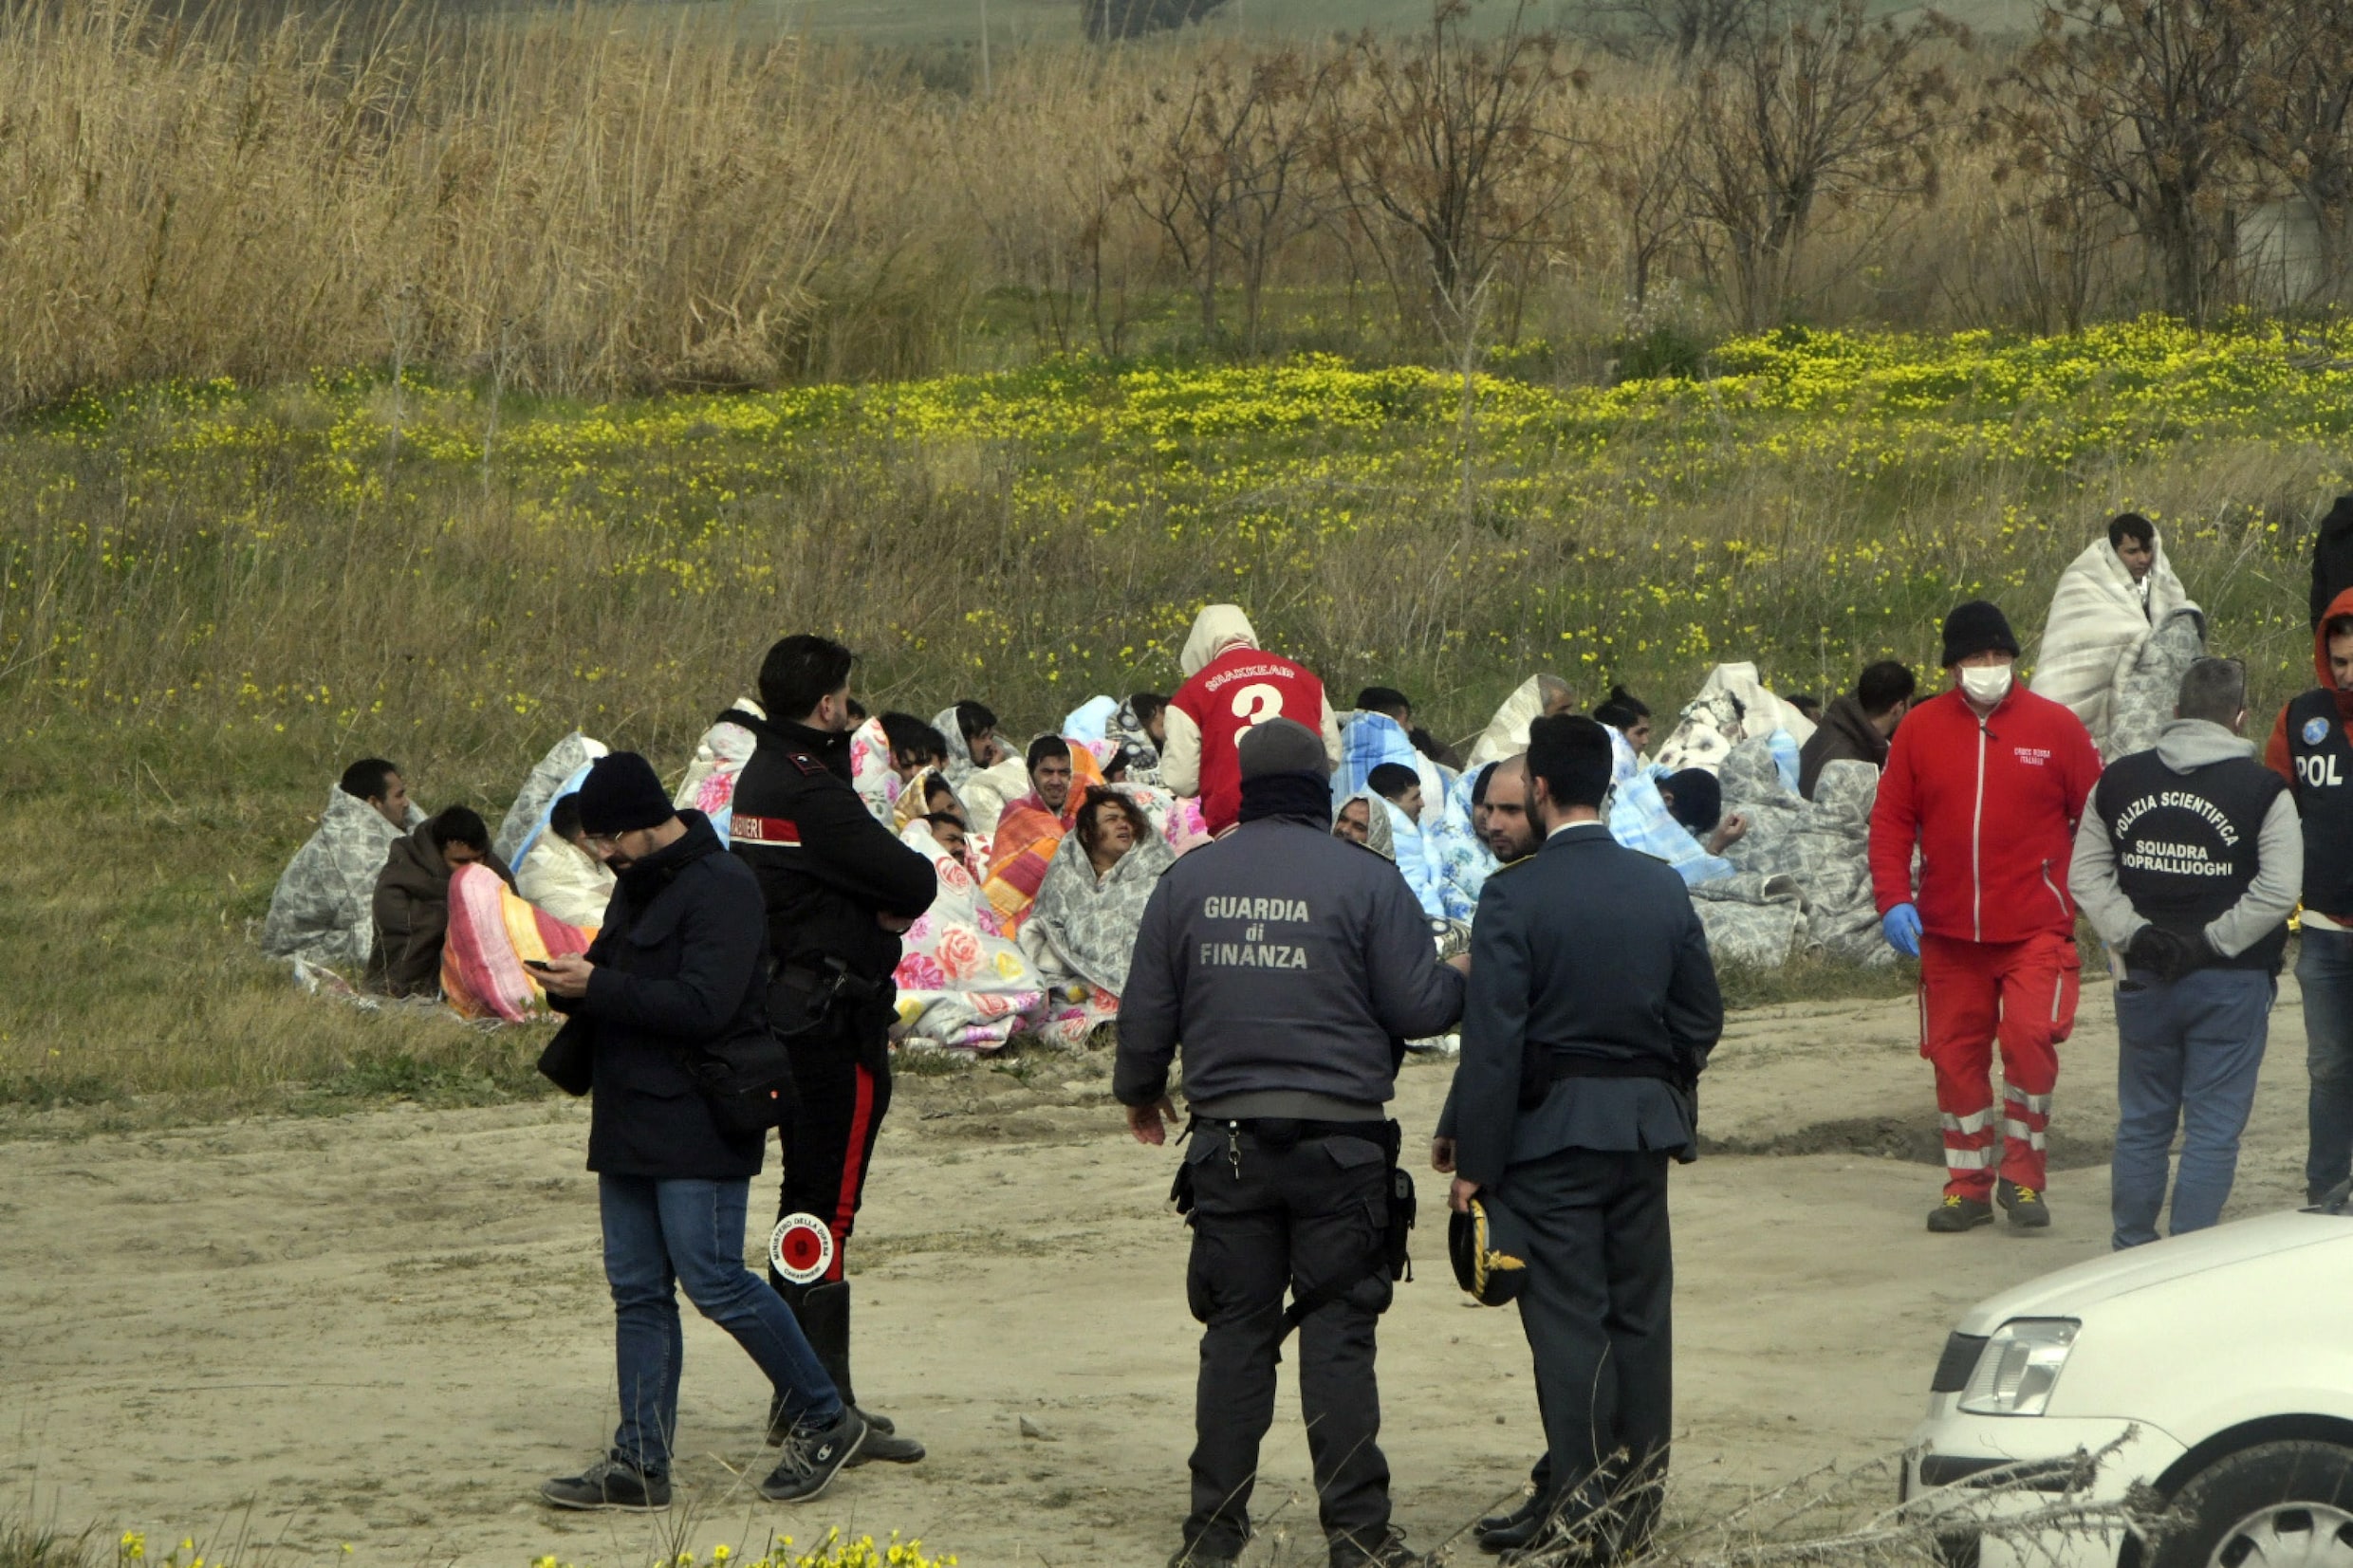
(211, 597)
(24, 1544)
(1812, 979)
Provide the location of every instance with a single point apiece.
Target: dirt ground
(384, 1329)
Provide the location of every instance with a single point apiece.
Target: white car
(2216, 1367)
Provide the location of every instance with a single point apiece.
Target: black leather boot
(825, 1314)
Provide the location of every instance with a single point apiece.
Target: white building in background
(2279, 252)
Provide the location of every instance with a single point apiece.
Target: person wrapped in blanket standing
(840, 887)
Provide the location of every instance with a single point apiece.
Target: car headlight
(2019, 1367)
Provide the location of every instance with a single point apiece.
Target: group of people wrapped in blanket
(1045, 856)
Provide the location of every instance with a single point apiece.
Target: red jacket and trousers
(1993, 807)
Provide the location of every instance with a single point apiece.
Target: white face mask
(1986, 684)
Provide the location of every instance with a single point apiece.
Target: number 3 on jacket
(1254, 705)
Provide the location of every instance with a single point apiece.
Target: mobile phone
(539, 965)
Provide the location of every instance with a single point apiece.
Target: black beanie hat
(1283, 746)
(1975, 628)
(622, 794)
(1698, 803)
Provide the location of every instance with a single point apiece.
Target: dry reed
(601, 200)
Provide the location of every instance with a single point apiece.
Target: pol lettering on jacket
(2318, 772)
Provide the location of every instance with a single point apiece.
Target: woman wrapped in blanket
(1083, 927)
(962, 983)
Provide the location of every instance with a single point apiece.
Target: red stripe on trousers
(853, 1169)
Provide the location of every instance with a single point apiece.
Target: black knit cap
(1976, 627)
(622, 794)
(1283, 746)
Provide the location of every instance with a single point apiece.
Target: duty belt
(1282, 1132)
(1588, 1065)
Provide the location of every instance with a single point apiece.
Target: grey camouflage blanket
(1086, 928)
(568, 756)
(320, 910)
(1805, 875)
(2148, 686)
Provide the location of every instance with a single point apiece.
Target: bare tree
(1450, 141)
(1810, 100)
(2146, 101)
(1640, 154)
(1228, 178)
(1685, 31)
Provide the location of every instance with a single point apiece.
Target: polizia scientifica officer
(839, 890)
(1291, 965)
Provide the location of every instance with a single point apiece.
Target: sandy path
(383, 1328)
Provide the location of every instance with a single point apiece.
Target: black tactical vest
(2185, 843)
(2324, 797)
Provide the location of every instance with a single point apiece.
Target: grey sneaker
(610, 1484)
(780, 1422)
(813, 1456)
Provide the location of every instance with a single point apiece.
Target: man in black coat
(839, 889)
(676, 970)
(1592, 1008)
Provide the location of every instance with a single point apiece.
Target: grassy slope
(215, 599)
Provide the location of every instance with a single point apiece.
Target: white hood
(1218, 628)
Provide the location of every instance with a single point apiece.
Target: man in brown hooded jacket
(1859, 725)
(412, 903)
(2311, 748)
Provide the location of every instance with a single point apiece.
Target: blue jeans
(2188, 1053)
(658, 1234)
(2324, 969)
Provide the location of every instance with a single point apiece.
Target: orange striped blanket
(492, 930)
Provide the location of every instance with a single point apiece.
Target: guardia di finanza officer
(1592, 1008)
(1292, 965)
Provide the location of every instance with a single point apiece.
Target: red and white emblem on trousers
(800, 1248)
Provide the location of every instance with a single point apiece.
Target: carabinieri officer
(1592, 1008)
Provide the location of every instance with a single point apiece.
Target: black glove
(2160, 952)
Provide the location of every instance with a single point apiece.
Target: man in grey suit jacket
(1592, 1011)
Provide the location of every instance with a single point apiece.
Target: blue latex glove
(1902, 926)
